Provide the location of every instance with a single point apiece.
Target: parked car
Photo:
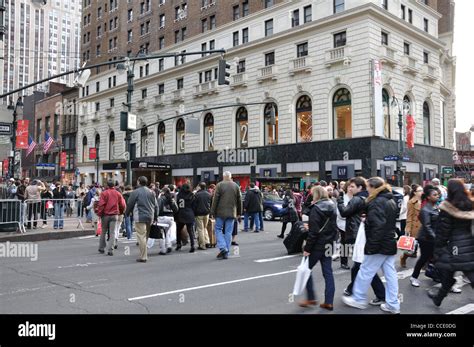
(272, 206)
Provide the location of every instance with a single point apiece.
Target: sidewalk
(71, 229)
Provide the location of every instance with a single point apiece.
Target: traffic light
(223, 72)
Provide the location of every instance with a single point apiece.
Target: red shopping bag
(406, 243)
(99, 228)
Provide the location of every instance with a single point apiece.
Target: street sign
(395, 158)
(448, 170)
(5, 129)
(46, 166)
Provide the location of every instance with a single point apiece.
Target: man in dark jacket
(142, 202)
(59, 196)
(380, 248)
(352, 212)
(202, 208)
(252, 207)
(185, 216)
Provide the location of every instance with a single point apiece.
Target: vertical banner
(92, 153)
(410, 131)
(62, 160)
(5, 166)
(22, 134)
(378, 106)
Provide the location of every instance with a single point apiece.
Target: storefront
(307, 171)
(182, 176)
(154, 172)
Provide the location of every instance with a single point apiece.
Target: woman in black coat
(454, 244)
(291, 215)
(185, 215)
(322, 233)
(426, 236)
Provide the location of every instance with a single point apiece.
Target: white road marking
(26, 290)
(86, 237)
(463, 310)
(210, 285)
(401, 275)
(275, 259)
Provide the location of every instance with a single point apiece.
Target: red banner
(5, 166)
(92, 153)
(62, 161)
(22, 134)
(410, 131)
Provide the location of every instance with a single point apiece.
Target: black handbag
(156, 232)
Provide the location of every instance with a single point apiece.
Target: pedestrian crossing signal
(223, 72)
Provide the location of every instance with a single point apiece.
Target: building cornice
(366, 11)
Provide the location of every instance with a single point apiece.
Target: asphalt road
(71, 277)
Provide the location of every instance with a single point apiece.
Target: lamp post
(401, 144)
(97, 164)
(130, 68)
(19, 103)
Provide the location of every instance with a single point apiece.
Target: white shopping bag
(173, 233)
(150, 243)
(302, 276)
(359, 245)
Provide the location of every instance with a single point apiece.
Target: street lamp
(19, 103)
(97, 163)
(401, 144)
(130, 69)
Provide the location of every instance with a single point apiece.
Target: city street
(71, 277)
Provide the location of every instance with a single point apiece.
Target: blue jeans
(58, 215)
(255, 217)
(368, 269)
(326, 263)
(260, 217)
(224, 239)
(128, 226)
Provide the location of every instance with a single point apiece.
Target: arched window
(97, 144)
(85, 150)
(111, 145)
(386, 113)
(144, 141)
(304, 119)
(342, 112)
(426, 124)
(161, 138)
(180, 136)
(208, 132)
(271, 124)
(242, 119)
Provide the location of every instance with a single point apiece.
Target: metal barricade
(56, 213)
(10, 215)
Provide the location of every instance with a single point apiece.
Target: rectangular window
(161, 88)
(144, 93)
(338, 6)
(426, 57)
(97, 106)
(183, 33)
(403, 13)
(180, 83)
(235, 38)
(340, 39)
(385, 4)
(270, 59)
(97, 87)
(245, 35)
(161, 42)
(176, 36)
(410, 16)
(141, 71)
(269, 27)
(268, 3)
(147, 69)
(302, 50)
(111, 102)
(162, 20)
(129, 35)
(161, 64)
(406, 48)
(203, 48)
(425, 24)
(212, 45)
(245, 8)
(384, 38)
(236, 12)
(208, 76)
(308, 14)
(130, 15)
(241, 66)
(295, 18)
(204, 25)
(212, 23)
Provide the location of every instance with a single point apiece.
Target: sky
(464, 52)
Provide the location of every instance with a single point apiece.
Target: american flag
(48, 141)
(31, 146)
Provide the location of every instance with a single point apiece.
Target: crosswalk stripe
(463, 310)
